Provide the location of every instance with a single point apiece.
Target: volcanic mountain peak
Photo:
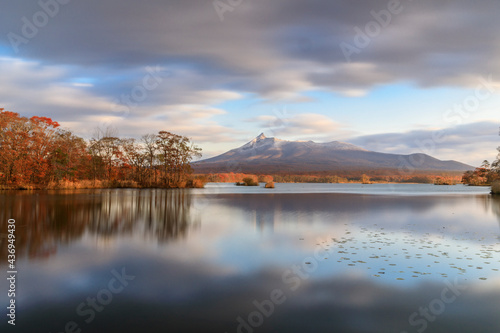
(263, 154)
(261, 136)
(262, 141)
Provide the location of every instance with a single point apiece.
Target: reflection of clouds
(210, 277)
(432, 234)
(176, 296)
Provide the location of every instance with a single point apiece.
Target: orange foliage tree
(27, 146)
(36, 151)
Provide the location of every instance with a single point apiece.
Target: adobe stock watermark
(30, 27)
(292, 280)
(364, 36)
(153, 78)
(223, 6)
(420, 319)
(88, 309)
(454, 115)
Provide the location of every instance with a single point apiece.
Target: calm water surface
(297, 258)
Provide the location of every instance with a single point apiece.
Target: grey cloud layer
(479, 138)
(272, 48)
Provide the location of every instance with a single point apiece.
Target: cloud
(272, 49)
(178, 296)
(31, 88)
(306, 126)
(81, 65)
(479, 139)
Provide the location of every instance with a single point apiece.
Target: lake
(297, 258)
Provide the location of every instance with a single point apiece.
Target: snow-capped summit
(260, 141)
(261, 136)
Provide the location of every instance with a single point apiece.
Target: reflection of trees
(46, 221)
(491, 202)
(495, 206)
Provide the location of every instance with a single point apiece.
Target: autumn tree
(486, 174)
(175, 153)
(11, 127)
(36, 151)
(151, 150)
(26, 148)
(496, 164)
(105, 149)
(69, 159)
(135, 159)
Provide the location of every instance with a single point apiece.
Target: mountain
(271, 155)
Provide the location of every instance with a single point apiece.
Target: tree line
(37, 153)
(372, 176)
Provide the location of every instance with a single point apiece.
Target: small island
(253, 180)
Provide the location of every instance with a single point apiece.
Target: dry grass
(69, 185)
(90, 184)
(99, 184)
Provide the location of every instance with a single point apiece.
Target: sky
(394, 76)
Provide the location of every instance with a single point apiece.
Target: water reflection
(223, 266)
(426, 214)
(492, 203)
(171, 297)
(47, 220)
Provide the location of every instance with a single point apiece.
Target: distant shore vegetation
(352, 177)
(250, 180)
(36, 153)
(485, 175)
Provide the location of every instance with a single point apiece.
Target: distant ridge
(271, 155)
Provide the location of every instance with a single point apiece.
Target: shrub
(250, 181)
(269, 185)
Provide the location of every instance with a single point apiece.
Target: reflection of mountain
(265, 210)
(326, 202)
(440, 215)
(45, 221)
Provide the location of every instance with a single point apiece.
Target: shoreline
(135, 186)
